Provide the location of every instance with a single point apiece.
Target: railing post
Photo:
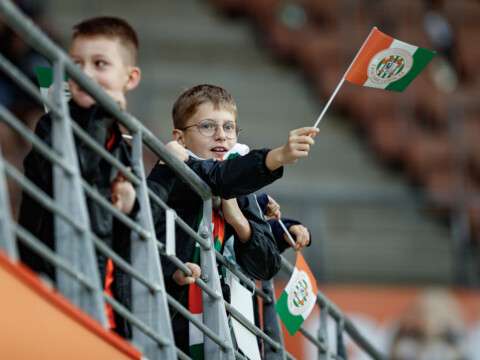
(74, 246)
(341, 348)
(150, 307)
(271, 325)
(323, 334)
(6, 233)
(214, 313)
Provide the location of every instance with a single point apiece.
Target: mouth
(218, 151)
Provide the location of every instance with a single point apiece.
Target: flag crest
(387, 63)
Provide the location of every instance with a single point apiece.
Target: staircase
(365, 229)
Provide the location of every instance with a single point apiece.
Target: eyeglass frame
(215, 125)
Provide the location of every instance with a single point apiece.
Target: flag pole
(343, 80)
(330, 101)
(287, 232)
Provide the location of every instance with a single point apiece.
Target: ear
(134, 75)
(179, 137)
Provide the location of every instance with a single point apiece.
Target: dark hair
(111, 27)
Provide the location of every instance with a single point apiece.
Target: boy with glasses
(205, 121)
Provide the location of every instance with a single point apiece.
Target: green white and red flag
(387, 63)
(299, 297)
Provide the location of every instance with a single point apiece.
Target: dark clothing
(238, 177)
(277, 230)
(98, 173)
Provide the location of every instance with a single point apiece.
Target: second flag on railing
(299, 296)
(45, 81)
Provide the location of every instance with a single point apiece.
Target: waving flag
(387, 63)
(299, 296)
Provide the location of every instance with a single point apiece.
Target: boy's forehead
(209, 110)
(99, 44)
(92, 39)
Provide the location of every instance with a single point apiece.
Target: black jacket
(238, 177)
(95, 171)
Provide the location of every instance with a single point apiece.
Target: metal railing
(75, 256)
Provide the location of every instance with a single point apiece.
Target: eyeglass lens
(209, 128)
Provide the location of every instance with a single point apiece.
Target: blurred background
(391, 189)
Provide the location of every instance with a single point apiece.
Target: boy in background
(205, 122)
(105, 48)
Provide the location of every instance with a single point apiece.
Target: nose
(87, 70)
(220, 133)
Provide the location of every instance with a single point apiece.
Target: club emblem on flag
(300, 294)
(389, 65)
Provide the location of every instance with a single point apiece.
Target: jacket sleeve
(259, 257)
(160, 180)
(237, 176)
(262, 200)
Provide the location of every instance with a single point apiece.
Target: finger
(121, 176)
(299, 154)
(303, 237)
(273, 212)
(301, 241)
(195, 269)
(302, 147)
(189, 280)
(289, 242)
(306, 139)
(196, 273)
(305, 131)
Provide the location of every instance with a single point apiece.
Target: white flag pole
(342, 80)
(287, 232)
(330, 101)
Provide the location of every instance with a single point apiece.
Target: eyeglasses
(208, 128)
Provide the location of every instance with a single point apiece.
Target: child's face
(101, 59)
(213, 147)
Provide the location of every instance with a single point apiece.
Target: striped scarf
(195, 293)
